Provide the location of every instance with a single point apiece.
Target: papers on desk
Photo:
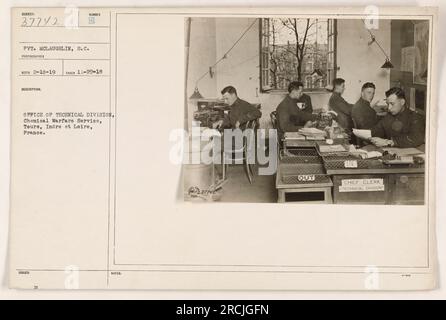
(305, 134)
(313, 133)
(293, 136)
(370, 154)
(362, 134)
(364, 154)
(405, 155)
(402, 152)
(402, 160)
(315, 137)
(334, 148)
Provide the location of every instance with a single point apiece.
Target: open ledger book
(100, 101)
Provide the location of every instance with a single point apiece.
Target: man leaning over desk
(240, 113)
(401, 127)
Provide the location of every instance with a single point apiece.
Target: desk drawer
(408, 189)
(361, 189)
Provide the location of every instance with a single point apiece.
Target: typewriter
(210, 111)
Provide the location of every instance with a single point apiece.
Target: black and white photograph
(214, 149)
(306, 109)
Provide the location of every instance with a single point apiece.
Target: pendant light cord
(375, 41)
(227, 52)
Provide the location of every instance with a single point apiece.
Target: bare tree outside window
(297, 49)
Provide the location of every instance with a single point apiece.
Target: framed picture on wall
(421, 42)
(407, 59)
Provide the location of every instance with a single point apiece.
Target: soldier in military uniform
(289, 115)
(241, 111)
(401, 127)
(363, 114)
(342, 108)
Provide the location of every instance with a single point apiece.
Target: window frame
(264, 56)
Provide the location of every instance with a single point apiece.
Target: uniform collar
(363, 101)
(289, 98)
(236, 102)
(403, 113)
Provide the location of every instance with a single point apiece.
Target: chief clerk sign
(361, 185)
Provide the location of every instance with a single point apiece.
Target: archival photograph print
(197, 148)
(306, 110)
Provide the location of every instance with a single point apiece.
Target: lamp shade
(196, 94)
(387, 65)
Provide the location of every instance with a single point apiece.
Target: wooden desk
(356, 182)
(380, 185)
(301, 178)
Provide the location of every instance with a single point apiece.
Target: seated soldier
(290, 117)
(401, 127)
(338, 104)
(304, 100)
(364, 116)
(240, 113)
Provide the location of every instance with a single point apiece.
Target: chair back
(273, 116)
(251, 124)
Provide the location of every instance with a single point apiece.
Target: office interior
(347, 49)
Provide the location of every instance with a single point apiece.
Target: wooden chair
(273, 116)
(241, 154)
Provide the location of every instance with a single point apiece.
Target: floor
(238, 188)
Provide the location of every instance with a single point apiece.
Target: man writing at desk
(295, 111)
(240, 113)
(401, 127)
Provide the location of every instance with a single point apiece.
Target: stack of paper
(294, 136)
(370, 154)
(332, 148)
(313, 133)
(362, 134)
(364, 154)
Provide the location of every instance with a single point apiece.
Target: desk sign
(350, 164)
(306, 177)
(361, 185)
